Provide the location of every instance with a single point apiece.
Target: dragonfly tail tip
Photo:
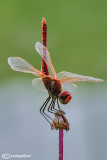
(43, 21)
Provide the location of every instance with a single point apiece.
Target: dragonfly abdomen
(44, 35)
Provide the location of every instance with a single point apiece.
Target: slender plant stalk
(45, 71)
(60, 144)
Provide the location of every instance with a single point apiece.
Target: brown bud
(60, 121)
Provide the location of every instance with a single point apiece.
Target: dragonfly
(59, 86)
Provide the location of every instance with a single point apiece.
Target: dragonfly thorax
(53, 86)
(65, 97)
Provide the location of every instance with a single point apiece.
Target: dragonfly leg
(53, 104)
(58, 110)
(58, 104)
(51, 107)
(42, 109)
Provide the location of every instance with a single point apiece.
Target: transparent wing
(71, 77)
(19, 64)
(43, 52)
(38, 84)
(70, 87)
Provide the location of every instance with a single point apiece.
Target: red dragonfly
(59, 86)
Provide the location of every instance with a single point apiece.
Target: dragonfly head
(65, 97)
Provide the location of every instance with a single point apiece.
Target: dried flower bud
(60, 121)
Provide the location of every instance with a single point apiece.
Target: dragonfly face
(65, 97)
(67, 79)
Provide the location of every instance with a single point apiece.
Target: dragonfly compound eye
(65, 97)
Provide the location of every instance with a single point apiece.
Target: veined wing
(19, 64)
(71, 77)
(70, 87)
(43, 52)
(38, 84)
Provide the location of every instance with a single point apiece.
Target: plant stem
(60, 144)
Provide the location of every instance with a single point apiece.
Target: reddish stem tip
(43, 21)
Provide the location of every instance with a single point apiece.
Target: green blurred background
(77, 35)
(77, 41)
